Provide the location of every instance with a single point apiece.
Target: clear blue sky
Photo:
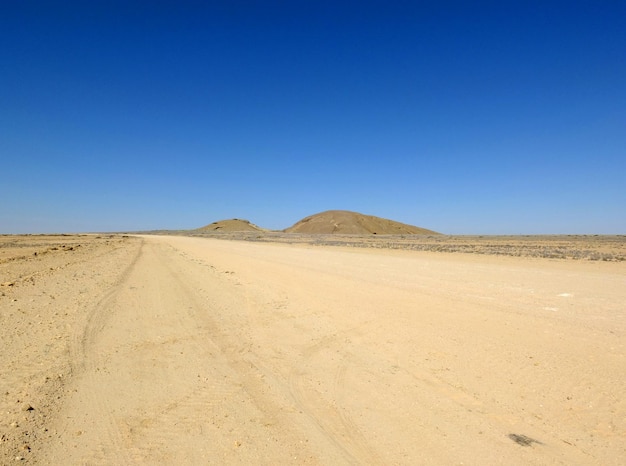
(502, 117)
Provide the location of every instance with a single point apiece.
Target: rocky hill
(353, 223)
(234, 224)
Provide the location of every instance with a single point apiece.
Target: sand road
(208, 351)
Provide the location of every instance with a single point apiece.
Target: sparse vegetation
(579, 247)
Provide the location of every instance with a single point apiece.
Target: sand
(181, 350)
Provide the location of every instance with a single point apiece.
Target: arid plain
(274, 348)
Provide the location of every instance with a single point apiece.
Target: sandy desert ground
(183, 350)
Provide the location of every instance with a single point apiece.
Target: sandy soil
(179, 350)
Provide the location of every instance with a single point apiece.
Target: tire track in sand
(137, 395)
(326, 412)
(159, 382)
(84, 366)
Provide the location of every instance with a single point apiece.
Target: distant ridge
(353, 223)
(234, 224)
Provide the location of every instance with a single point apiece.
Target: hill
(353, 223)
(234, 224)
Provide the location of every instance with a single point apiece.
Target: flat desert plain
(185, 350)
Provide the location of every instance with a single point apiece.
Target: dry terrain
(355, 223)
(230, 225)
(578, 247)
(296, 349)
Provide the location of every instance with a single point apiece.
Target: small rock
(523, 440)
(27, 407)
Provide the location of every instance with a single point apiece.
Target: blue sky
(503, 117)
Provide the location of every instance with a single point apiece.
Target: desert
(265, 347)
(312, 233)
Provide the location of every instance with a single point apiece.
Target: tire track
(161, 380)
(86, 363)
(162, 433)
(331, 418)
(98, 316)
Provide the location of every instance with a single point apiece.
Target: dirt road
(200, 351)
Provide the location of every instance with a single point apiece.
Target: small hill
(353, 223)
(234, 224)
